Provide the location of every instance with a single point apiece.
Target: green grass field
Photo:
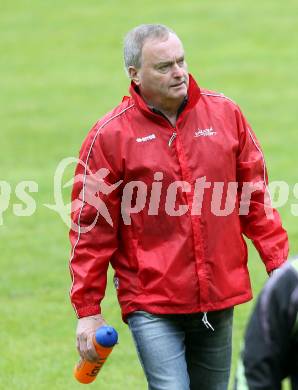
(60, 70)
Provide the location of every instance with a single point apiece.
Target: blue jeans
(178, 352)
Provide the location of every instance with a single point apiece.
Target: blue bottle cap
(106, 336)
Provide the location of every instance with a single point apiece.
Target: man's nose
(178, 71)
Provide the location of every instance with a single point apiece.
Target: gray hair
(135, 39)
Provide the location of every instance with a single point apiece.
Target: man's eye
(164, 68)
(181, 62)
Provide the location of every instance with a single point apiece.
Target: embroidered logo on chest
(147, 138)
(205, 133)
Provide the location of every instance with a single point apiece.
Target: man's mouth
(178, 84)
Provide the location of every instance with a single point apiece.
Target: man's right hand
(85, 331)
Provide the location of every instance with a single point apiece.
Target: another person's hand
(85, 331)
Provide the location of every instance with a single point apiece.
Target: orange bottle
(104, 340)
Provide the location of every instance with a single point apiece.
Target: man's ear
(134, 75)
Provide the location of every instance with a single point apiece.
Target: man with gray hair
(180, 260)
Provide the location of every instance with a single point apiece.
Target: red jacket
(164, 263)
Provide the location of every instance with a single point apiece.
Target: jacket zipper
(174, 135)
(194, 225)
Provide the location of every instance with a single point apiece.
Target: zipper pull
(172, 139)
(206, 322)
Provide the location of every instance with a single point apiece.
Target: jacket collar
(193, 96)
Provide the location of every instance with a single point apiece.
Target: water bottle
(104, 340)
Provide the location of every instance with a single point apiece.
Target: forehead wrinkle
(163, 59)
(171, 61)
(159, 53)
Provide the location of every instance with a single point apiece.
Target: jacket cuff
(88, 311)
(273, 264)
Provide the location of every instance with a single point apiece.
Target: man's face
(163, 77)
